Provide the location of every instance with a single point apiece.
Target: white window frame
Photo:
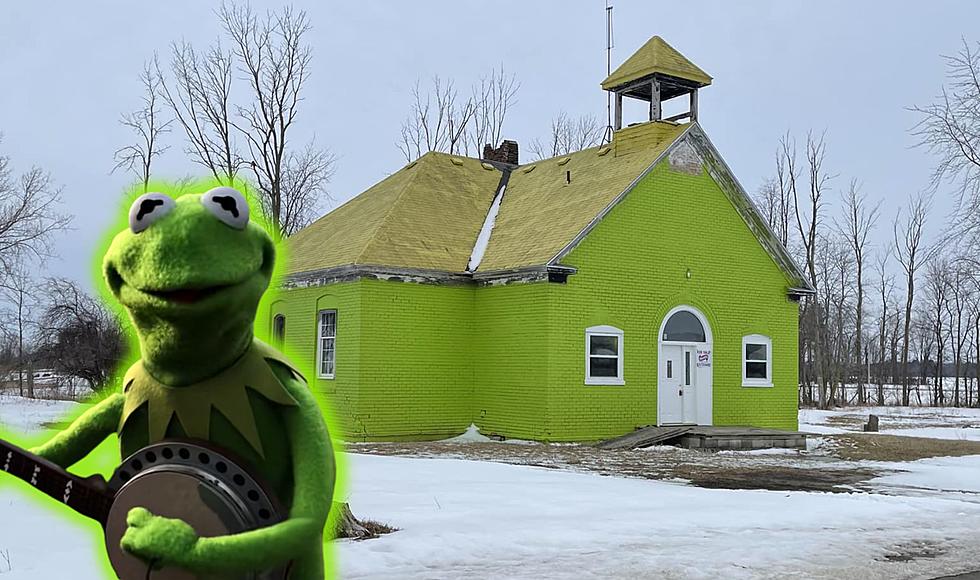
(319, 343)
(763, 340)
(604, 331)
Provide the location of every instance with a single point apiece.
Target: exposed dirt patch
(776, 478)
(793, 471)
(850, 422)
(877, 447)
(914, 550)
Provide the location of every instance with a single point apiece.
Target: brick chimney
(506, 153)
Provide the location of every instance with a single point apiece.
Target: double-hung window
(604, 356)
(326, 344)
(756, 361)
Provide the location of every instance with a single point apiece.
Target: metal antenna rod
(609, 46)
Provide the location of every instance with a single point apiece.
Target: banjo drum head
(196, 484)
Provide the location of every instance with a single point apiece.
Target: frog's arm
(84, 434)
(298, 538)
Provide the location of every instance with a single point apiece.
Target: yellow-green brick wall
(423, 361)
(632, 270)
(511, 363)
(403, 355)
(300, 307)
(416, 360)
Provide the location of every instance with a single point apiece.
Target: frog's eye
(228, 205)
(147, 209)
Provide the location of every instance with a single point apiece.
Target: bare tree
(306, 175)
(274, 57)
(975, 347)
(438, 120)
(858, 222)
(29, 216)
(950, 128)
(775, 202)
(958, 312)
(441, 119)
(569, 135)
(18, 291)
(886, 284)
(835, 271)
(937, 291)
(199, 96)
(492, 99)
(79, 336)
(910, 253)
(148, 125)
(808, 213)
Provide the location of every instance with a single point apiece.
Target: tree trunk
(905, 342)
(349, 527)
(30, 379)
(857, 334)
(20, 343)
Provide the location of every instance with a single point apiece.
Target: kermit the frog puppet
(190, 272)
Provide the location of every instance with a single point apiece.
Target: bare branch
(29, 216)
(148, 125)
(569, 135)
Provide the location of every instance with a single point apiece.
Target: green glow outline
(105, 458)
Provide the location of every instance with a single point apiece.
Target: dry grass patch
(878, 447)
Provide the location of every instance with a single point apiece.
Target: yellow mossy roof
(545, 209)
(427, 215)
(656, 56)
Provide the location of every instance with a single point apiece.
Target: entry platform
(705, 437)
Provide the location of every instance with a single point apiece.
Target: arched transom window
(684, 326)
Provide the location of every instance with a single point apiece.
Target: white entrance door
(678, 384)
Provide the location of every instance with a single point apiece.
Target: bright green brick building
(572, 298)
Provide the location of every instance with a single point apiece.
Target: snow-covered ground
(474, 519)
(464, 519)
(25, 416)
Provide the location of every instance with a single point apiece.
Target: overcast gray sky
(70, 68)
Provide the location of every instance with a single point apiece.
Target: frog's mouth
(186, 295)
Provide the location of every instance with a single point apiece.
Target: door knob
(680, 392)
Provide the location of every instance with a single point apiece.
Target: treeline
(900, 317)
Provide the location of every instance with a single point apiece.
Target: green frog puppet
(190, 272)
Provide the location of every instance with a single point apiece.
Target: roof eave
(770, 242)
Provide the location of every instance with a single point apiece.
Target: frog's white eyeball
(147, 209)
(228, 205)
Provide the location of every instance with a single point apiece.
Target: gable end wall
(632, 269)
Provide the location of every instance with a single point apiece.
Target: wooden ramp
(645, 437)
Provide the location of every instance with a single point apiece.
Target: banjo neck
(88, 496)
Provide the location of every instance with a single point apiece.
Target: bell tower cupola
(656, 73)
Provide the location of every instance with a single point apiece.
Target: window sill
(605, 382)
(748, 384)
(326, 377)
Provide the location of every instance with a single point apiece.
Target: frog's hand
(300, 537)
(156, 540)
(84, 434)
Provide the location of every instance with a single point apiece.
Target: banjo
(184, 479)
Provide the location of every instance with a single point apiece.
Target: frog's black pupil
(227, 203)
(147, 206)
